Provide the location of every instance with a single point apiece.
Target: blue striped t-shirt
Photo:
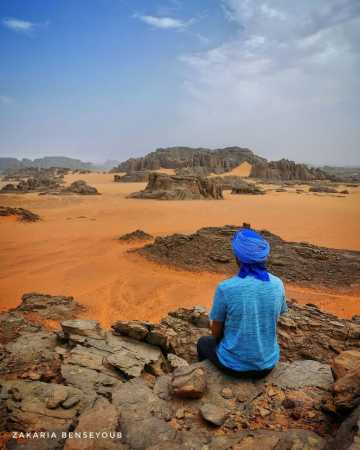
(250, 309)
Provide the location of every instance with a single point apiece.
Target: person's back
(250, 309)
(245, 312)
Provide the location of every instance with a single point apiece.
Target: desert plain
(75, 249)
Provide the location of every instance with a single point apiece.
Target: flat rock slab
(33, 405)
(301, 374)
(87, 328)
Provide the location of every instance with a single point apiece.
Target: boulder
(188, 382)
(347, 390)
(345, 362)
(174, 187)
(54, 307)
(247, 188)
(80, 187)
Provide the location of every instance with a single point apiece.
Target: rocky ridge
(143, 376)
(209, 249)
(217, 161)
(286, 170)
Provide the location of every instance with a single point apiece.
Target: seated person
(245, 312)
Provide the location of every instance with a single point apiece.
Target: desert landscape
(74, 249)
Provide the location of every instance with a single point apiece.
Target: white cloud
(285, 84)
(165, 23)
(19, 26)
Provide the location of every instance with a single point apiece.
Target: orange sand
(75, 251)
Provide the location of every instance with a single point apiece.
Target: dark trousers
(206, 349)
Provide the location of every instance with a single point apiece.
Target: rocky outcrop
(198, 171)
(31, 185)
(118, 384)
(140, 176)
(217, 161)
(209, 249)
(286, 170)
(323, 189)
(80, 187)
(237, 185)
(137, 235)
(174, 187)
(24, 215)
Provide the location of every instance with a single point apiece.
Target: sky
(110, 79)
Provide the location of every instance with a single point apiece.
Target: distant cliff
(286, 170)
(218, 160)
(45, 163)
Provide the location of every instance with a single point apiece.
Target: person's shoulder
(228, 283)
(275, 280)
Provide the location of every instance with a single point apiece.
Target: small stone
(71, 401)
(213, 414)
(227, 393)
(264, 412)
(176, 362)
(34, 376)
(180, 413)
(287, 403)
(271, 393)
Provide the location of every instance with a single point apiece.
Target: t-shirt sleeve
(284, 307)
(218, 310)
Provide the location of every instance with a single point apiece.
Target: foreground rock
(140, 382)
(24, 215)
(174, 187)
(209, 249)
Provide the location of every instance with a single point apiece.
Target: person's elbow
(217, 328)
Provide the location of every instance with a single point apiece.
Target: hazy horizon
(113, 79)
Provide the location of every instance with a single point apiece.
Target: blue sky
(108, 79)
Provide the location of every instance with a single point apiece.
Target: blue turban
(252, 250)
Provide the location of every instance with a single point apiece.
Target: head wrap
(252, 250)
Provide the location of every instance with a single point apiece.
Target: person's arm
(218, 314)
(284, 307)
(217, 329)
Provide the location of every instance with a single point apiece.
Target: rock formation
(236, 183)
(80, 187)
(38, 184)
(137, 235)
(140, 383)
(209, 249)
(323, 189)
(174, 187)
(217, 161)
(286, 170)
(24, 215)
(140, 176)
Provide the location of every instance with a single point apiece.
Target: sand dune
(74, 250)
